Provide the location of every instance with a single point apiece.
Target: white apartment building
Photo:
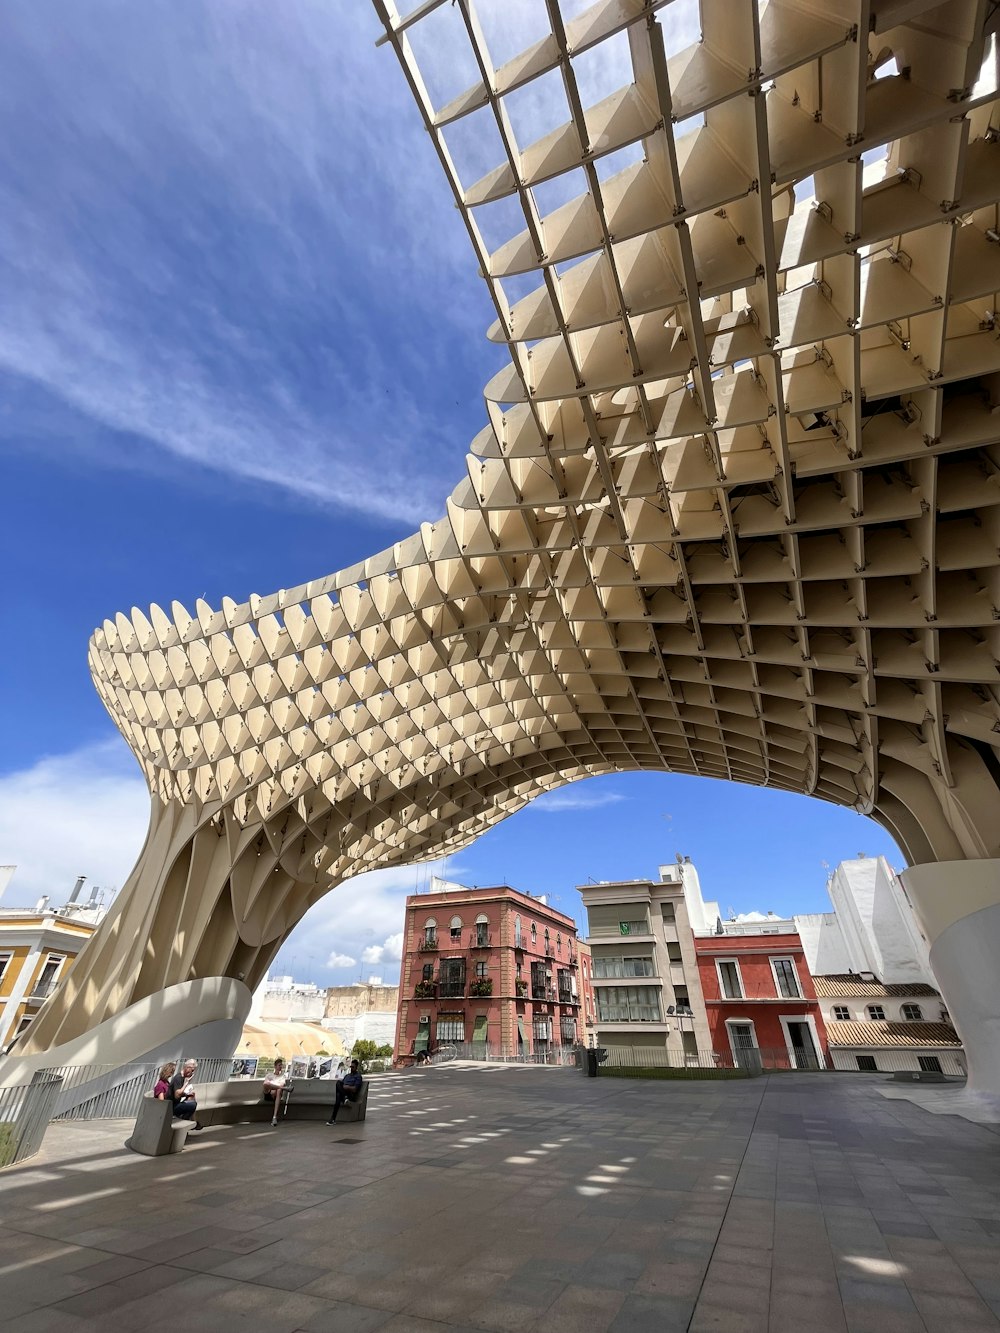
(873, 979)
(645, 974)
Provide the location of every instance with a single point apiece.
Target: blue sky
(242, 345)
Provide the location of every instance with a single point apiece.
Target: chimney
(76, 888)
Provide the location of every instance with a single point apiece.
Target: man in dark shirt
(348, 1090)
(182, 1093)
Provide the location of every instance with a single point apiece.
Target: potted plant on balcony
(481, 986)
(424, 990)
(521, 989)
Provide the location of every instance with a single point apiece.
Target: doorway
(743, 1041)
(801, 1046)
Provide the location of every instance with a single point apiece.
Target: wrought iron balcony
(543, 993)
(424, 990)
(481, 940)
(480, 987)
(451, 990)
(428, 944)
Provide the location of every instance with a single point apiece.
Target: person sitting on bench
(348, 1090)
(275, 1081)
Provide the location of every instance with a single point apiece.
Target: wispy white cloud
(340, 960)
(246, 246)
(559, 802)
(81, 813)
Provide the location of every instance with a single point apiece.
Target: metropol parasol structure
(735, 510)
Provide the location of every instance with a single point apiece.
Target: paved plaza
(503, 1198)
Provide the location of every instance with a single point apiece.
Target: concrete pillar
(958, 906)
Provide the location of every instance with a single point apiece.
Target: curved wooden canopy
(735, 512)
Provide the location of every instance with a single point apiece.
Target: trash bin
(596, 1055)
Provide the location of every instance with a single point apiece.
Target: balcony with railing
(521, 989)
(428, 943)
(424, 990)
(566, 996)
(41, 990)
(481, 987)
(451, 989)
(543, 993)
(480, 939)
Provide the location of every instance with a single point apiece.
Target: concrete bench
(238, 1101)
(156, 1132)
(241, 1101)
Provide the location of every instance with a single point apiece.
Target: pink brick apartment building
(493, 970)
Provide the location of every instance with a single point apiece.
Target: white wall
(879, 931)
(846, 1059)
(930, 1007)
(823, 943)
(377, 1026)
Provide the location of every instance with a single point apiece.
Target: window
(543, 1029)
(482, 930)
(945, 1016)
(866, 1064)
(430, 932)
(628, 1004)
(456, 929)
(518, 941)
(913, 1013)
(667, 912)
(567, 1030)
(559, 945)
(451, 978)
(614, 965)
(451, 1027)
(4, 960)
(841, 1013)
(785, 978)
(534, 933)
(540, 982)
(730, 981)
(427, 973)
(47, 980)
(876, 1012)
(480, 971)
(633, 927)
(929, 1064)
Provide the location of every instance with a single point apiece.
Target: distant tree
(384, 1053)
(364, 1052)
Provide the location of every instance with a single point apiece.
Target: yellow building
(37, 948)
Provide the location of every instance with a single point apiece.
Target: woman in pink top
(162, 1090)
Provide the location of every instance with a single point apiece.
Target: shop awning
(520, 1032)
(479, 1032)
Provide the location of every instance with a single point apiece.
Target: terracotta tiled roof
(892, 1034)
(849, 983)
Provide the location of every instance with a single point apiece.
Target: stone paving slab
(512, 1198)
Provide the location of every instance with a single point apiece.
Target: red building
(494, 970)
(759, 997)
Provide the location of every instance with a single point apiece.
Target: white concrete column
(958, 906)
